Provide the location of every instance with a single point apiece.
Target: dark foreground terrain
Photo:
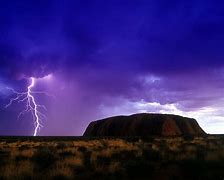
(112, 158)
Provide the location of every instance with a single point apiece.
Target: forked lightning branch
(31, 105)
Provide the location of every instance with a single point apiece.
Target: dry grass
(112, 158)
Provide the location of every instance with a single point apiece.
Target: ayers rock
(144, 124)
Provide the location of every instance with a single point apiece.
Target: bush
(82, 149)
(65, 154)
(137, 169)
(151, 155)
(61, 145)
(124, 155)
(102, 160)
(44, 158)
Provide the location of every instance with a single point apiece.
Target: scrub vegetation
(112, 158)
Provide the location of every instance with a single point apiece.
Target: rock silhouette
(144, 124)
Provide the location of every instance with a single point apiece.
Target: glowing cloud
(210, 118)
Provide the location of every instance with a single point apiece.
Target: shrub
(44, 158)
(65, 154)
(61, 145)
(138, 169)
(151, 155)
(102, 160)
(82, 149)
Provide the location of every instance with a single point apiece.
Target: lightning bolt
(31, 104)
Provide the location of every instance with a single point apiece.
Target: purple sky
(110, 58)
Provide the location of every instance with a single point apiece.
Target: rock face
(144, 124)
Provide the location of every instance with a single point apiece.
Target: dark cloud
(116, 48)
(152, 36)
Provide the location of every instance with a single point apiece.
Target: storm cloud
(106, 54)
